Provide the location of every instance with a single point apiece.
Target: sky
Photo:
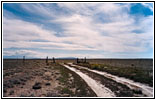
(92, 30)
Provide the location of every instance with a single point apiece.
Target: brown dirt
(52, 80)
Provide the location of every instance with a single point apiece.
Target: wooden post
(53, 60)
(77, 60)
(47, 60)
(85, 60)
(23, 59)
(17, 59)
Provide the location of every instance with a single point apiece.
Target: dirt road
(135, 88)
(97, 87)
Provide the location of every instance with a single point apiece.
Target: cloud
(21, 34)
(112, 36)
(106, 27)
(38, 9)
(15, 29)
(21, 53)
(39, 54)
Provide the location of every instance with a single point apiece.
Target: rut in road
(147, 90)
(99, 89)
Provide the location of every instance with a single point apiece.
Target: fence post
(23, 59)
(85, 60)
(47, 60)
(53, 60)
(17, 59)
(77, 60)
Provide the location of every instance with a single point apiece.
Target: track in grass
(147, 90)
(99, 89)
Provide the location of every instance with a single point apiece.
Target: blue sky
(92, 30)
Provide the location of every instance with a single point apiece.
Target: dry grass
(137, 74)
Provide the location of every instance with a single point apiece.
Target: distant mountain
(66, 58)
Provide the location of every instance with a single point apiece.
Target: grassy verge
(137, 74)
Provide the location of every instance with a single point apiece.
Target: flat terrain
(36, 78)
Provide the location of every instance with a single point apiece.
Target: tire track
(147, 90)
(99, 89)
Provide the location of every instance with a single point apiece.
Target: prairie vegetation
(138, 74)
(49, 78)
(36, 78)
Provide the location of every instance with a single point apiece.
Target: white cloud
(82, 30)
(38, 9)
(20, 34)
(115, 36)
(39, 54)
(27, 53)
(24, 31)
